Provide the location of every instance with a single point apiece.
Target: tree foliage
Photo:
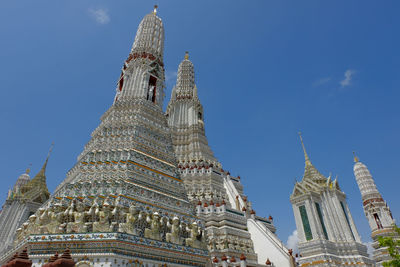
(393, 246)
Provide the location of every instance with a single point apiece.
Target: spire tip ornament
(28, 170)
(155, 9)
(356, 159)
(186, 55)
(304, 149)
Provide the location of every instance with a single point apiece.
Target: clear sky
(264, 71)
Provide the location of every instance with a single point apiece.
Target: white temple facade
(376, 211)
(22, 201)
(233, 230)
(327, 233)
(124, 202)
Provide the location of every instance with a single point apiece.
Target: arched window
(378, 221)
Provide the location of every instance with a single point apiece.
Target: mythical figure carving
(33, 227)
(56, 217)
(155, 226)
(78, 216)
(103, 215)
(196, 236)
(175, 235)
(130, 219)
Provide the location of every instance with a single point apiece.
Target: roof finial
(50, 150)
(304, 149)
(28, 170)
(155, 9)
(186, 55)
(355, 157)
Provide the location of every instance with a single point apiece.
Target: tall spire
(307, 159)
(185, 113)
(376, 210)
(185, 77)
(150, 36)
(38, 183)
(142, 75)
(310, 172)
(40, 177)
(364, 180)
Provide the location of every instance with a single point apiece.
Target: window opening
(151, 93)
(378, 221)
(306, 223)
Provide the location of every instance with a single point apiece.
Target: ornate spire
(307, 159)
(150, 36)
(364, 180)
(185, 77)
(36, 189)
(310, 172)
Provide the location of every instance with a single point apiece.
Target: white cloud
(100, 15)
(321, 81)
(348, 76)
(293, 241)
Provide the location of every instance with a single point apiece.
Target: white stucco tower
(234, 232)
(326, 230)
(123, 203)
(376, 210)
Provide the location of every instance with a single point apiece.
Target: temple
(23, 200)
(376, 211)
(148, 191)
(327, 233)
(124, 201)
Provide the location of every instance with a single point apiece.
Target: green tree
(393, 246)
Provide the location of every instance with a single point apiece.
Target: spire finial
(28, 170)
(355, 157)
(155, 9)
(48, 155)
(186, 55)
(304, 149)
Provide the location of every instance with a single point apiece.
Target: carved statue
(130, 218)
(220, 244)
(174, 235)
(103, 215)
(56, 217)
(78, 215)
(151, 93)
(231, 244)
(155, 226)
(32, 227)
(196, 236)
(42, 220)
(211, 244)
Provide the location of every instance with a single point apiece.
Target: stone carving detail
(131, 218)
(196, 238)
(175, 235)
(85, 215)
(154, 232)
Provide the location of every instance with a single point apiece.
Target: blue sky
(264, 70)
